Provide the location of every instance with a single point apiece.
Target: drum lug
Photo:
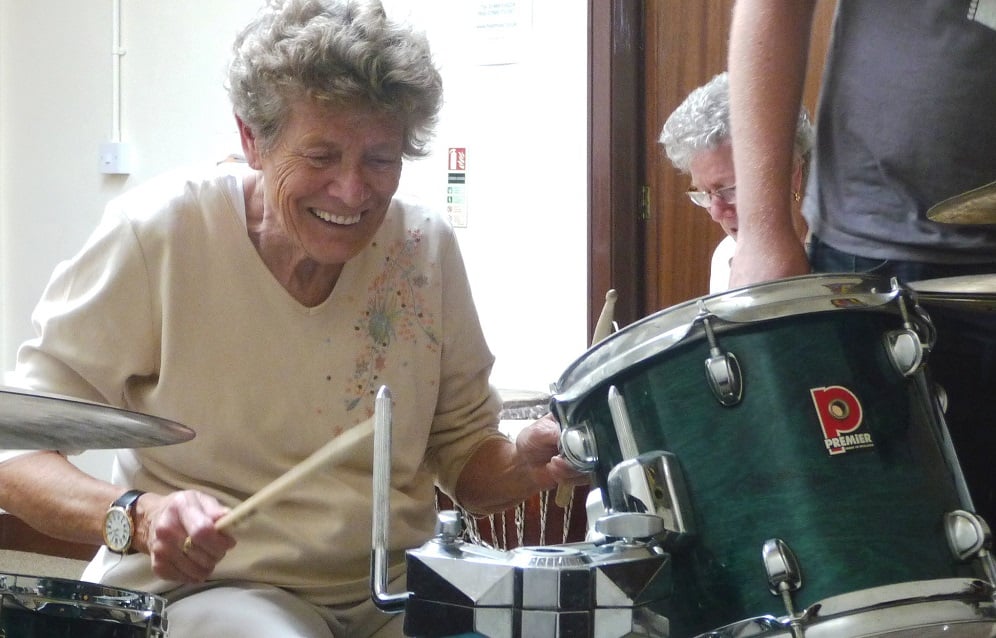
(907, 349)
(782, 568)
(968, 534)
(722, 368)
(969, 537)
(725, 381)
(920, 321)
(577, 446)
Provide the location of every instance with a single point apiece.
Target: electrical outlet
(115, 158)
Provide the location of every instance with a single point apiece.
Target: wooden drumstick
(332, 452)
(603, 328)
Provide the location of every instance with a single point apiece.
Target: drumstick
(332, 452)
(603, 328)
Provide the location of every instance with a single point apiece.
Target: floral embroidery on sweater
(395, 312)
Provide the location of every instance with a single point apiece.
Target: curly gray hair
(338, 52)
(702, 122)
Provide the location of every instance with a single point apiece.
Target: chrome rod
(391, 603)
(622, 424)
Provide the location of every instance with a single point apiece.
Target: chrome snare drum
(42, 607)
(792, 443)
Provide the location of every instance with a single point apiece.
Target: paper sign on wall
(456, 186)
(501, 30)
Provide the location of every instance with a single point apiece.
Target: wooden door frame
(615, 158)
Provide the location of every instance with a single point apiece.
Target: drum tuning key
(722, 368)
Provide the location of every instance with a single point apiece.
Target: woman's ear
(249, 144)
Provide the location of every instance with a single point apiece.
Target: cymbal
(977, 206)
(968, 292)
(40, 421)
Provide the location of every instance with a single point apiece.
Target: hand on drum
(180, 534)
(538, 446)
(771, 258)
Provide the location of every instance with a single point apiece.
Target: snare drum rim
(27, 591)
(665, 329)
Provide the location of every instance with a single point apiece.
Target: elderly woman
(696, 138)
(264, 306)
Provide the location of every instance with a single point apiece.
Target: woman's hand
(177, 531)
(537, 449)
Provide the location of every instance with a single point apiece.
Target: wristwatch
(119, 522)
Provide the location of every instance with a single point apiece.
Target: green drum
(802, 434)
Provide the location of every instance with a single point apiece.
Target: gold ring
(188, 544)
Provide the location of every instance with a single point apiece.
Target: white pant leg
(253, 610)
(245, 610)
(366, 621)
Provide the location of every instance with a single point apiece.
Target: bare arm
(502, 474)
(50, 494)
(769, 44)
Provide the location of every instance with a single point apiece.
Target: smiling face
(712, 170)
(327, 183)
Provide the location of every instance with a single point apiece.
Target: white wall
(524, 125)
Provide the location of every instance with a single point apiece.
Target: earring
(796, 196)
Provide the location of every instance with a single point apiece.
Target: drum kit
(770, 461)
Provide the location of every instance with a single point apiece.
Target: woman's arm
(501, 474)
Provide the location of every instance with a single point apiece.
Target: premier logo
(840, 416)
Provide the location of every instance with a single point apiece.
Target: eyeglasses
(726, 195)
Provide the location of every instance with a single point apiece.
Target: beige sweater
(168, 310)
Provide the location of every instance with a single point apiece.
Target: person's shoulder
(414, 206)
(176, 188)
(413, 213)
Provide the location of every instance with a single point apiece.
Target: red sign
(458, 159)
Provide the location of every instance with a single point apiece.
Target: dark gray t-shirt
(907, 118)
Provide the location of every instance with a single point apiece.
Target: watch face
(117, 529)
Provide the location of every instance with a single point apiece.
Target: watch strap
(127, 500)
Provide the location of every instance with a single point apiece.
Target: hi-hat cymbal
(968, 292)
(977, 206)
(39, 421)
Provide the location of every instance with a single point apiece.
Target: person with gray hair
(263, 305)
(697, 139)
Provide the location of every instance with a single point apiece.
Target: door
(685, 46)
